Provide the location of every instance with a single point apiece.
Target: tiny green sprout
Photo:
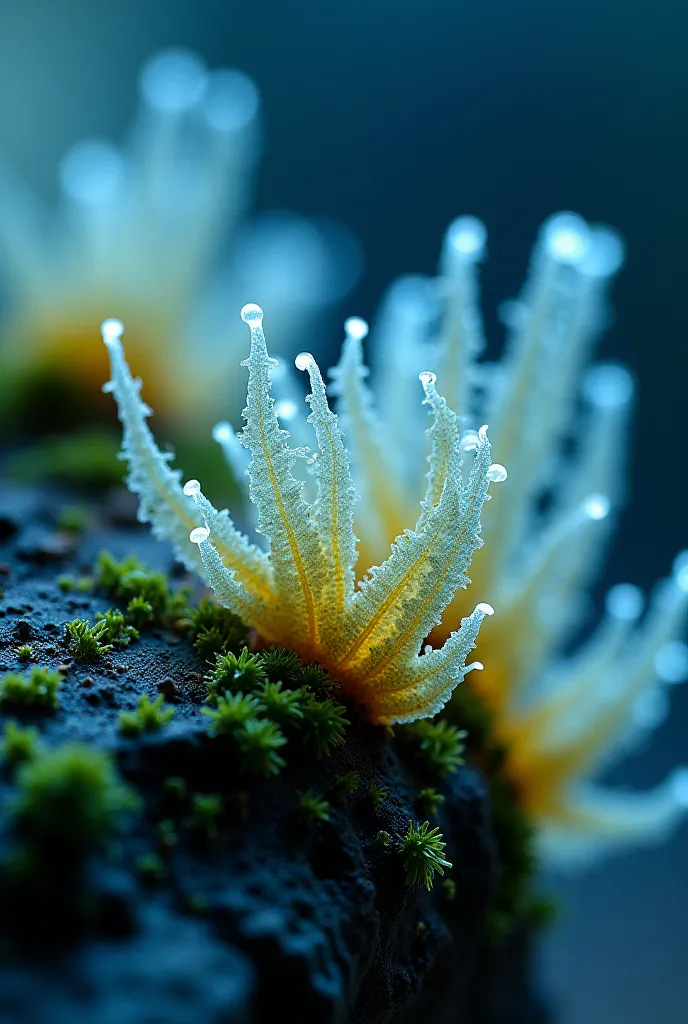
(324, 724)
(36, 688)
(439, 745)
(449, 887)
(19, 744)
(86, 641)
(117, 632)
(231, 713)
(220, 628)
(377, 794)
(280, 665)
(429, 800)
(84, 583)
(210, 643)
(232, 673)
(382, 839)
(206, 809)
(315, 677)
(66, 583)
(422, 852)
(312, 808)
(71, 796)
(176, 789)
(259, 741)
(129, 579)
(151, 868)
(280, 706)
(73, 519)
(148, 717)
(25, 652)
(343, 786)
(140, 611)
(166, 832)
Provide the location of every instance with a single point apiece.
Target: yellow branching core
(301, 591)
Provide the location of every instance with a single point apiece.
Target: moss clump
(214, 630)
(234, 674)
(324, 724)
(281, 666)
(429, 800)
(151, 868)
(87, 642)
(140, 611)
(376, 794)
(231, 713)
(344, 786)
(281, 706)
(73, 519)
(25, 652)
(72, 797)
(258, 741)
(383, 840)
(422, 850)
(117, 631)
(150, 716)
(312, 808)
(437, 745)
(206, 812)
(131, 583)
(19, 744)
(37, 688)
(316, 678)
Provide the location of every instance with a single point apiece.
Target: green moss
(214, 630)
(19, 744)
(437, 745)
(145, 592)
(315, 677)
(206, 812)
(66, 583)
(73, 519)
(231, 712)
(376, 794)
(36, 688)
(233, 673)
(176, 790)
(87, 642)
(422, 851)
(151, 869)
(344, 786)
(140, 611)
(258, 742)
(324, 724)
(281, 666)
(449, 888)
(429, 800)
(166, 832)
(150, 716)
(71, 796)
(117, 631)
(383, 839)
(25, 652)
(312, 808)
(280, 706)
(84, 459)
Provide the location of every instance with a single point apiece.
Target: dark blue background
(394, 117)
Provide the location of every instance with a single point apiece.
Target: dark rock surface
(267, 920)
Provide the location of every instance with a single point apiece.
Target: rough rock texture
(267, 920)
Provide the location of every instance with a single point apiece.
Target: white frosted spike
(356, 327)
(427, 377)
(608, 386)
(231, 101)
(475, 666)
(606, 255)
(192, 488)
(566, 238)
(680, 570)
(252, 313)
(465, 238)
(222, 432)
(173, 81)
(485, 608)
(286, 409)
(497, 473)
(624, 602)
(671, 662)
(92, 172)
(596, 506)
(199, 535)
(679, 786)
(111, 330)
(304, 360)
(469, 441)
(650, 709)
(482, 432)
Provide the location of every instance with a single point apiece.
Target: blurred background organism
(391, 119)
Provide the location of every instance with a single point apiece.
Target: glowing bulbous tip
(192, 488)
(624, 602)
(681, 571)
(427, 377)
(286, 409)
(304, 361)
(251, 313)
(679, 786)
(671, 662)
(482, 433)
(222, 432)
(567, 238)
(111, 330)
(356, 327)
(596, 506)
(466, 236)
(497, 473)
(485, 608)
(199, 535)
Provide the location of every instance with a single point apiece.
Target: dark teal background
(394, 117)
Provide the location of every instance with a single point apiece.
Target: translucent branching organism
(559, 426)
(138, 230)
(301, 593)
